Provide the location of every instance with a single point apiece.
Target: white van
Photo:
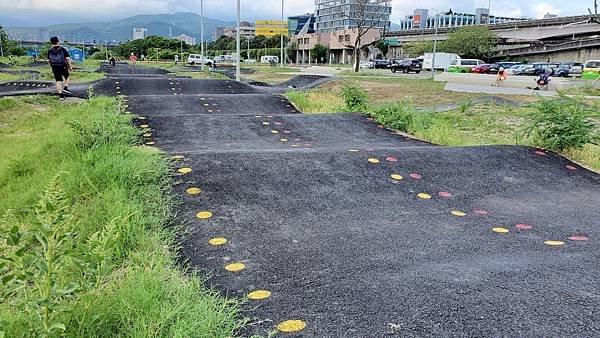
(464, 65)
(197, 59)
(442, 60)
(269, 59)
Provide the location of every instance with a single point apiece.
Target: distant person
(502, 75)
(543, 81)
(112, 60)
(143, 57)
(133, 59)
(60, 62)
(176, 58)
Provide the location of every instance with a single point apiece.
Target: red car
(481, 69)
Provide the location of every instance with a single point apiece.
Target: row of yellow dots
(293, 325)
(457, 213)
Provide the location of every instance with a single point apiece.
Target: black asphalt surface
(458, 247)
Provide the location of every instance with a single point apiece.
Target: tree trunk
(356, 55)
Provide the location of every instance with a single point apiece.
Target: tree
(417, 48)
(319, 53)
(365, 15)
(476, 42)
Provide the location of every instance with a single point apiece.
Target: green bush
(356, 98)
(398, 116)
(561, 124)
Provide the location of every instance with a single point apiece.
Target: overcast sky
(44, 12)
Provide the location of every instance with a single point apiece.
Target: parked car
(539, 68)
(406, 66)
(464, 65)
(366, 65)
(564, 69)
(195, 59)
(481, 69)
(516, 69)
(495, 67)
(591, 69)
(381, 64)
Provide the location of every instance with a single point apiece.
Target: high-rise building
(301, 24)
(333, 15)
(186, 39)
(139, 33)
(271, 27)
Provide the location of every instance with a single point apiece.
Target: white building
(139, 33)
(187, 39)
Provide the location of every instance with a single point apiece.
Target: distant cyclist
(133, 59)
(60, 62)
(502, 75)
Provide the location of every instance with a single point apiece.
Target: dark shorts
(60, 72)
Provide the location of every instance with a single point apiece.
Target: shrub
(398, 116)
(560, 124)
(356, 98)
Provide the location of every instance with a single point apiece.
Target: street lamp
(282, 33)
(237, 44)
(202, 33)
(434, 43)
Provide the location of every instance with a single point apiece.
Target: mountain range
(122, 30)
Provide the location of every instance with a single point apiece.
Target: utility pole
(248, 40)
(282, 33)
(434, 45)
(237, 44)
(202, 33)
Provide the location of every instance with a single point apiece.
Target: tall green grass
(117, 276)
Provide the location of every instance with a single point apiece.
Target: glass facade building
(333, 15)
(421, 19)
(301, 24)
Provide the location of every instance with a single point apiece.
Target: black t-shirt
(64, 52)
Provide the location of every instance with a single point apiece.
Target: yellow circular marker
(257, 116)
(283, 139)
(193, 191)
(424, 196)
(291, 326)
(295, 145)
(373, 160)
(204, 214)
(259, 294)
(235, 267)
(458, 213)
(141, 118)
(177, 157)
(266, 123)
(500, 230)
(184, 170)
(150, 143)
(144, 126)
(554, 243)
(274, 132)
(217, 241)
(353, 150)
(147, 135)
(396, 177)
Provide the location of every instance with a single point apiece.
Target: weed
(398, 116)
(465, 107)
(561, 124)
(356, 98)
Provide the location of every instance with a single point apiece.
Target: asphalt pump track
(332, 226)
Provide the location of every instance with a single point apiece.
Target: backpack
(57, 57)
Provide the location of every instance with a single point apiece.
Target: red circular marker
(297, 140)
(307, 145)
(481, 212)
(444, 194)
(380, 126)
(391, 159)
(370, 149)
(579, 238)
(570, 167)
(523, 226)
(286, 131)
(278, 123)
(369, 119)
(539, 152)
(416, 176)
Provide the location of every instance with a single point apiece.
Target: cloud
(543, 8)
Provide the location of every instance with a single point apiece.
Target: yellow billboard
(271, 27)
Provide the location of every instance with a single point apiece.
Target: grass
(121, 255)
(77, 76)
(587, 90)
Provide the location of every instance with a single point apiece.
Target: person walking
(60, 62)
(133, 59)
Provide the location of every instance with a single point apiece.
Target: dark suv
(539, 68)
(381, 64)
(567, 69)
(406, 66)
